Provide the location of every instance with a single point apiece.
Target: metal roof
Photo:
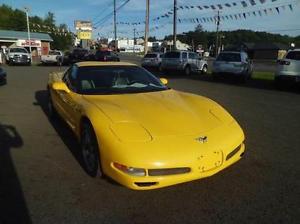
(11, 34)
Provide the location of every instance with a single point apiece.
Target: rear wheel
(204, 70)
(90, 150)
(187, 70)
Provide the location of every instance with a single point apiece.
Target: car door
(70, 101)
(193, 61)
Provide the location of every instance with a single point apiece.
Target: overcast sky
(66, 11)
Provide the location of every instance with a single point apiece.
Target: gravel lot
(42, 180)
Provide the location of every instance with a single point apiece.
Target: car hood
(164, 113)
(18, 53)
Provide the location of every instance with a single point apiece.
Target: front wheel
(90, 150)
(51, 110)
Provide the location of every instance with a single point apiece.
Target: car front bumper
(154, 182)
(202, 163)
(287, 76)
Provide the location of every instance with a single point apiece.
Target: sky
(66, 11)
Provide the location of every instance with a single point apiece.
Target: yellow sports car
(137, 131)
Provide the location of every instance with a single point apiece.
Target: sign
(83, 25)
(84, 35)
(26, 43)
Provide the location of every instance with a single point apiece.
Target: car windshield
(103, 53)
(172, 55)
(150, 55)
(54, 53)
(95, 80)
(293, 55)
(17, 50)
(229, 57)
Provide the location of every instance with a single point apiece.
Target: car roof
(96, 63)
(232, 52)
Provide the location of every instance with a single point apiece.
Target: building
(40, 42)
(168, 45)
(261, 51)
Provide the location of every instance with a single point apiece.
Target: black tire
(187, 70)
(204, 70)
(90, 150)
(160, 68)
(51, 110)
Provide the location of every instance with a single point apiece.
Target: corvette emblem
(202, 139)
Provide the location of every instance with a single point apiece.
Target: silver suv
(234, 64)
(183, 61)
(289, 67)
(152, 60)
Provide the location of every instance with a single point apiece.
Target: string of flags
(49, 29)
(224, 17)
(236, 16)
(217, 6)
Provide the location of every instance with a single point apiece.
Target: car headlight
(130, 170)
(11, 56)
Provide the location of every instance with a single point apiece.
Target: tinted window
(293, 55)
(230, 57)
(117, 80)
(70, 78)
(193, 56)
(184, 55)
(172, 55)
(18, 50)
(150, 55)
(103, 53)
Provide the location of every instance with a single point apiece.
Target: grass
(263, 75)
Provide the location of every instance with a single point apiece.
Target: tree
(49, 19)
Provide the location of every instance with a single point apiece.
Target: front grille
(168, 171)
(145, 184)
(235, 151)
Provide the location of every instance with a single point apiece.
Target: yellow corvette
(139, 132)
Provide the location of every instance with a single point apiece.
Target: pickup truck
(54, 57)
(18, 55)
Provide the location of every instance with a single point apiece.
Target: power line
(107, 17)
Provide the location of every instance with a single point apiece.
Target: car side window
(184, 55)
(70, 78)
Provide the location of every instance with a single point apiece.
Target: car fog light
(130, 170)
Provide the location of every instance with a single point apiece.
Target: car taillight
(283, 62)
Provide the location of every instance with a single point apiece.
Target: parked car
(106, 56)
(2, 76)
(113, 109)
(54, 57)
(77, 55)
(183, 61)
(18, 55)
(152, 60)
(232, 63)
(288, 69)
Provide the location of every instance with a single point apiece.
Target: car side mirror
(60, 86)
(164, 81)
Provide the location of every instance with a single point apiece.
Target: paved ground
(42, 180)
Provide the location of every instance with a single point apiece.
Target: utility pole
(147, 26)
(217, 39)
(28, 31)
(115, 24)
(175, 25)
(134, 40)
